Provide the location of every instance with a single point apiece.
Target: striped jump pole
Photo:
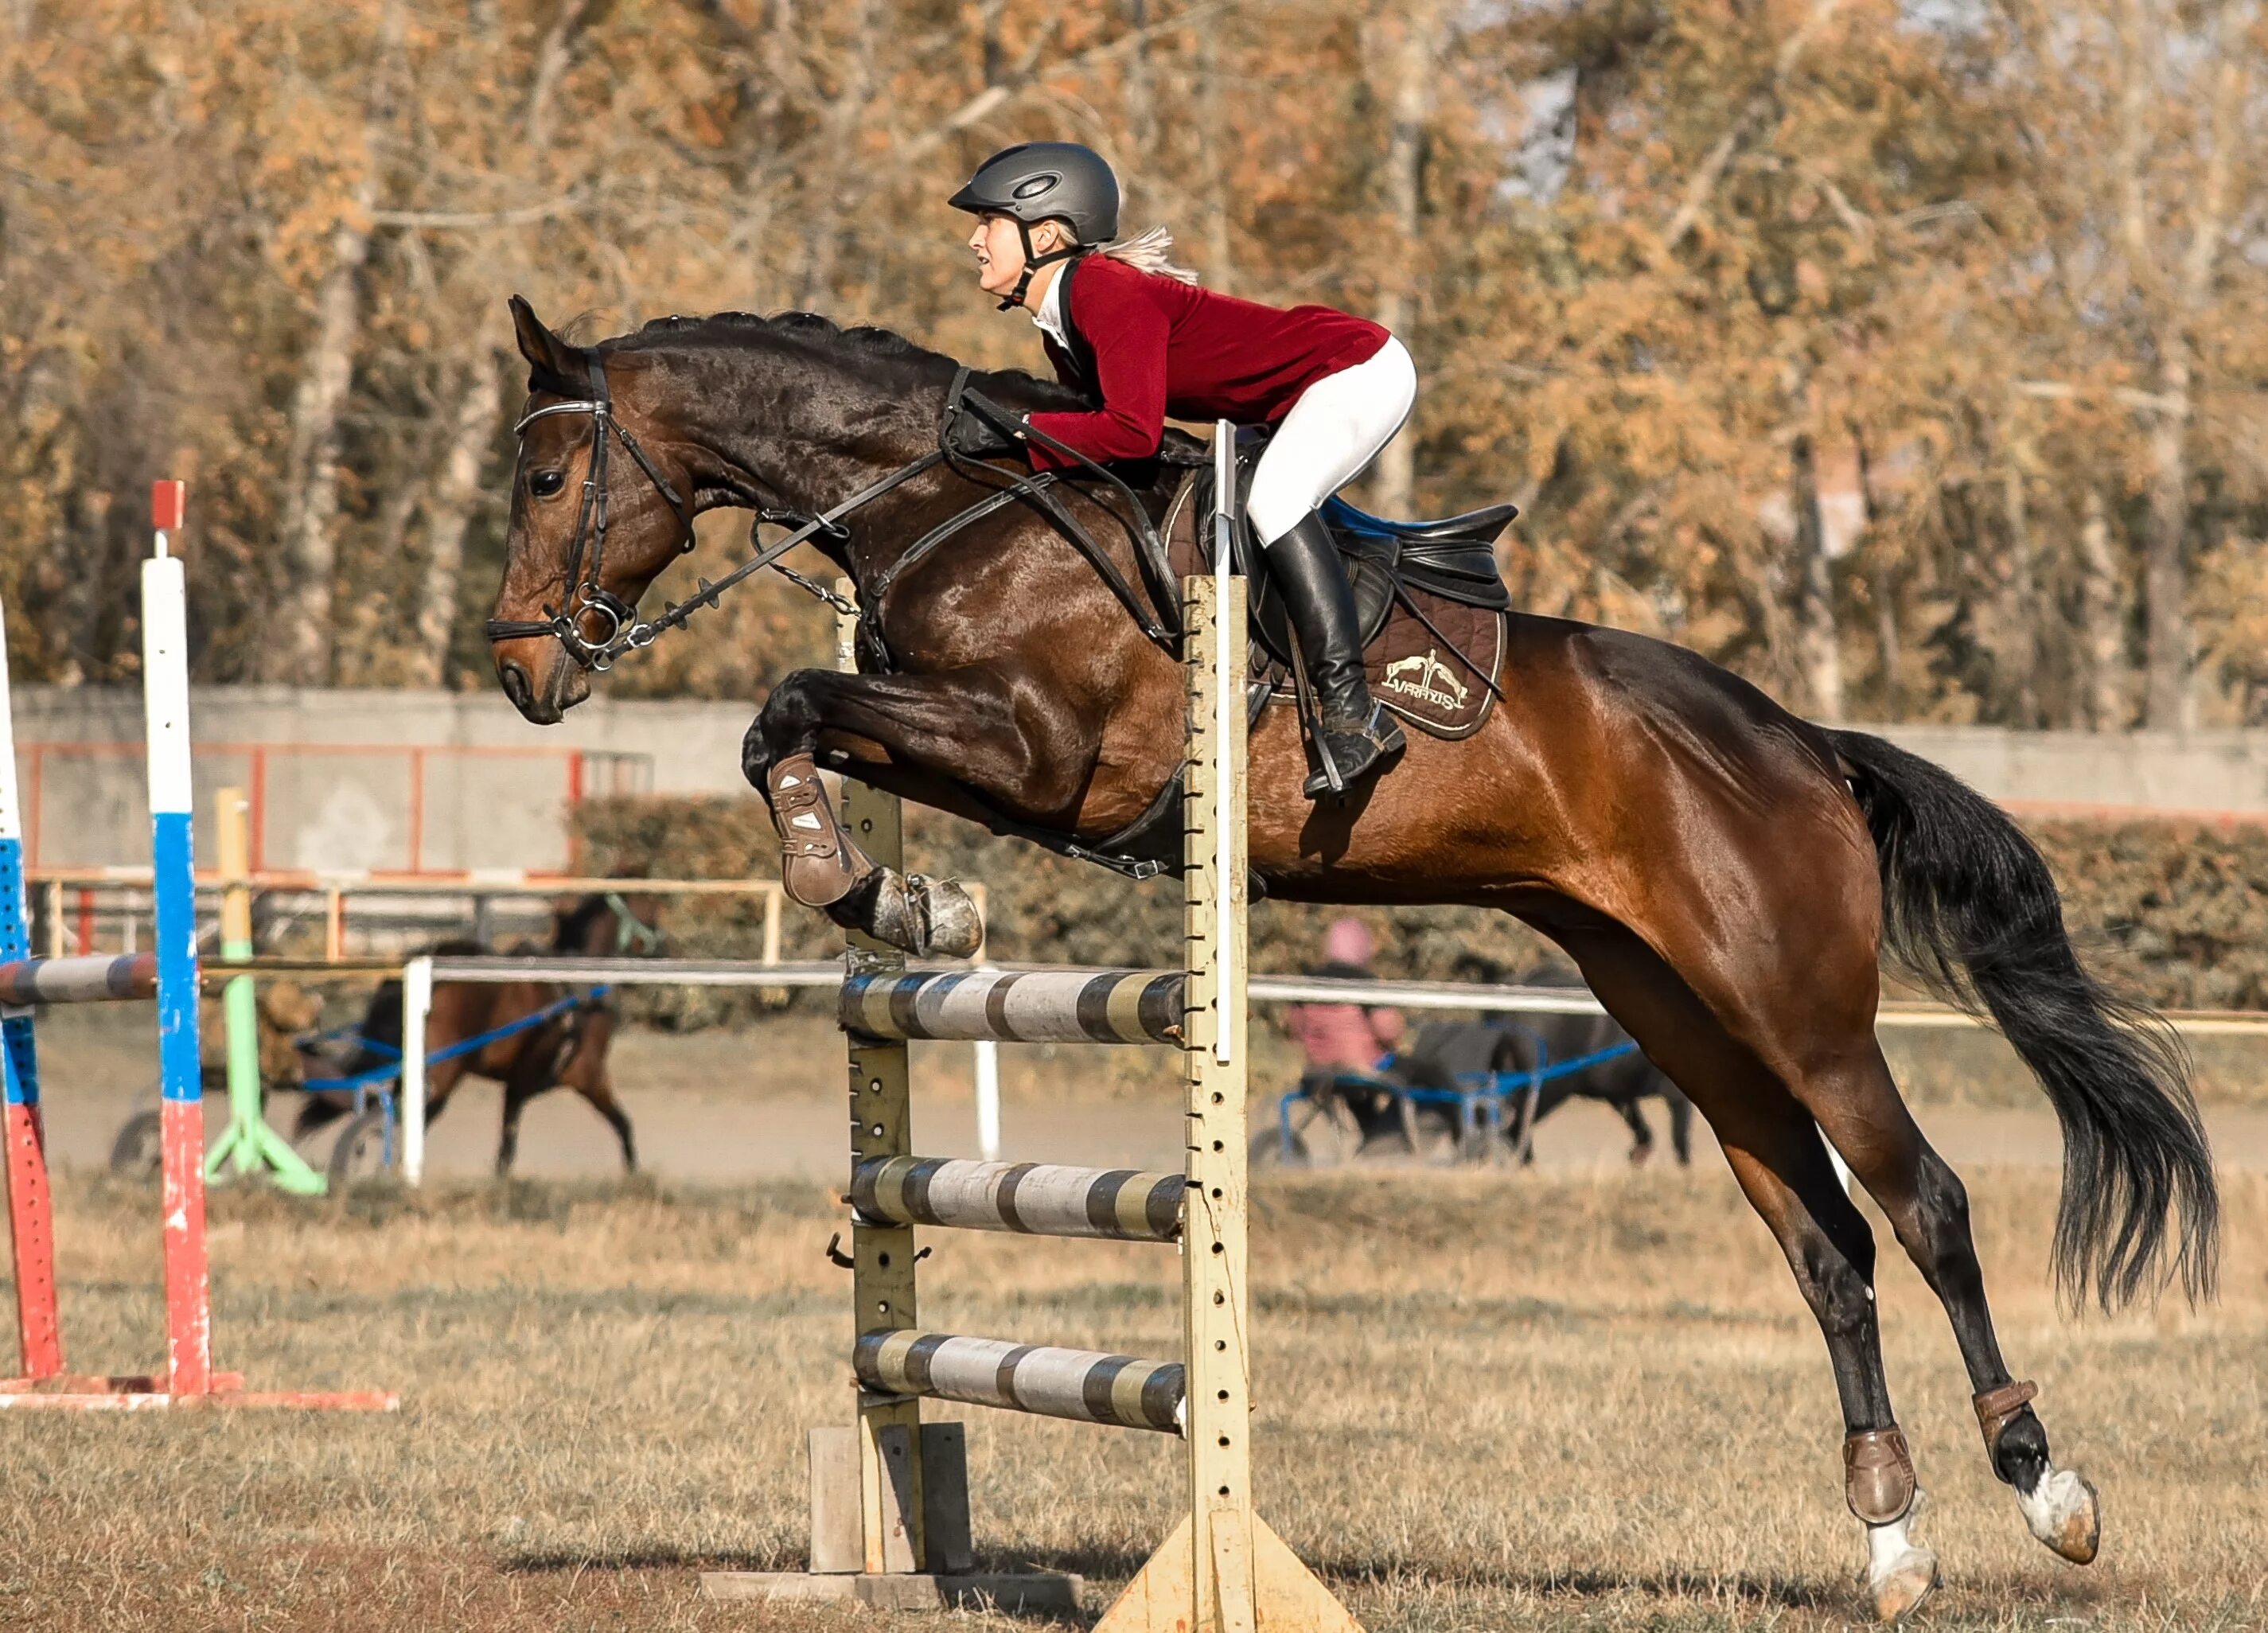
(889, 1509)
(168, 973)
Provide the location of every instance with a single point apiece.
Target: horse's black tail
(1970, 908)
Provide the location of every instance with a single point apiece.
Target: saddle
(1429, 602)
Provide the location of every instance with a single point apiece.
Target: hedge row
(2175, 913)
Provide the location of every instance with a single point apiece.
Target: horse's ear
(549, 357)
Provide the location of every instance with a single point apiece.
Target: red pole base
(31, 1217)
(189, 1299)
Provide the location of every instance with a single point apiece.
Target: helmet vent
(1034, 186)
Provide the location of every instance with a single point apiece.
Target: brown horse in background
(567, 1051)
(1725, 874)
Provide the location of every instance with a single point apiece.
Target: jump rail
(169, 975)
(889, 1495)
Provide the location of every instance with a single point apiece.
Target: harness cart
(1480, 1118)
(352, 1063)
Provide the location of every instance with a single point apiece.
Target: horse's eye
(543, 485)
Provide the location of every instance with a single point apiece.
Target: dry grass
(1550, 1403)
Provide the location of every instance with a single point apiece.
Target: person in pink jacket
(1344, 1037)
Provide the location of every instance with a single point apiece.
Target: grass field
(1552, 1402)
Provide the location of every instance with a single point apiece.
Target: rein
(625, 631)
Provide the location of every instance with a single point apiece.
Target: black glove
(978, 435)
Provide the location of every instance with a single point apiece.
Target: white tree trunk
(310, 503)
(1411, 70)
(2105, 633)
(448, 513)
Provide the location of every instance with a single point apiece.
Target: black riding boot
(1356, 733)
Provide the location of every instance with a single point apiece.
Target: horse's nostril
(517, 686)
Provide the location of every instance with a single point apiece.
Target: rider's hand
(975, 436)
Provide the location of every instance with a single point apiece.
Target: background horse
(1724, 873)
(1444, 1053)
(567, 1051)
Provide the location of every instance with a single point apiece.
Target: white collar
(1048, 315)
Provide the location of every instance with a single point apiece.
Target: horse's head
(600, 506)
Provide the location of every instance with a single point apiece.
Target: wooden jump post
(167, 974)
(889, 1500)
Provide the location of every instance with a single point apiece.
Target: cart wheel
(1323, 1135)
(140, 1146)
(359, 1152)
(1426, 1133)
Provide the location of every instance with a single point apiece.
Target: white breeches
(1337, 427)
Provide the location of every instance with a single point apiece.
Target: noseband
(587, 592)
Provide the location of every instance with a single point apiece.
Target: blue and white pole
(173, 858)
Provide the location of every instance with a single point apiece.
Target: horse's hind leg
(1681, 1123)
(589, 1075)
(1777, 1155)
(1860, 1110)
(1641, 1136)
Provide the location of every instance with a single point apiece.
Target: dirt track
(763, 1103)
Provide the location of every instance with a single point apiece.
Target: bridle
(586, 592)
(625, 631)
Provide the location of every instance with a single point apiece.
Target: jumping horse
(1725, 875)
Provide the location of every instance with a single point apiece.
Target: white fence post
(416, 1005)
(988, 1099)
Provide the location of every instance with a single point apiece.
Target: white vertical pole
(1226, 696)
(988, 1099)
(172, 862)
(416, 1005)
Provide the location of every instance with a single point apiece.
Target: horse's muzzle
(544, 690)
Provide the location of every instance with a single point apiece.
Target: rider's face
(999, 253)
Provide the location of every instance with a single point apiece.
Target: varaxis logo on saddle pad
(1438, 679)
(1425, 678)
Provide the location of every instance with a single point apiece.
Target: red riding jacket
(1164, 347)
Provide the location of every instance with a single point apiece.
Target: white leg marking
(1900, 1572)
(2063, 1512)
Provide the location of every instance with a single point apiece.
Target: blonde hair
(1150, 252)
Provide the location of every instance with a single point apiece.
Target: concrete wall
(433, 781)
(450, 780)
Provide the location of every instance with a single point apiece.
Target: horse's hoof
(953, 928)
(2064, 1513)
(1901, 1573)
(924, 917)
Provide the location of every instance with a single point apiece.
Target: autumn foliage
(1907, 358)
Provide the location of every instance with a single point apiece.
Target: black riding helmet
(1036, 182)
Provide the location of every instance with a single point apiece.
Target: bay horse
(567, 1049)
(1725, 874)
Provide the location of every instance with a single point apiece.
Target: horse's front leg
(977, 728)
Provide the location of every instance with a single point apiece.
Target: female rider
(1133, 332)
